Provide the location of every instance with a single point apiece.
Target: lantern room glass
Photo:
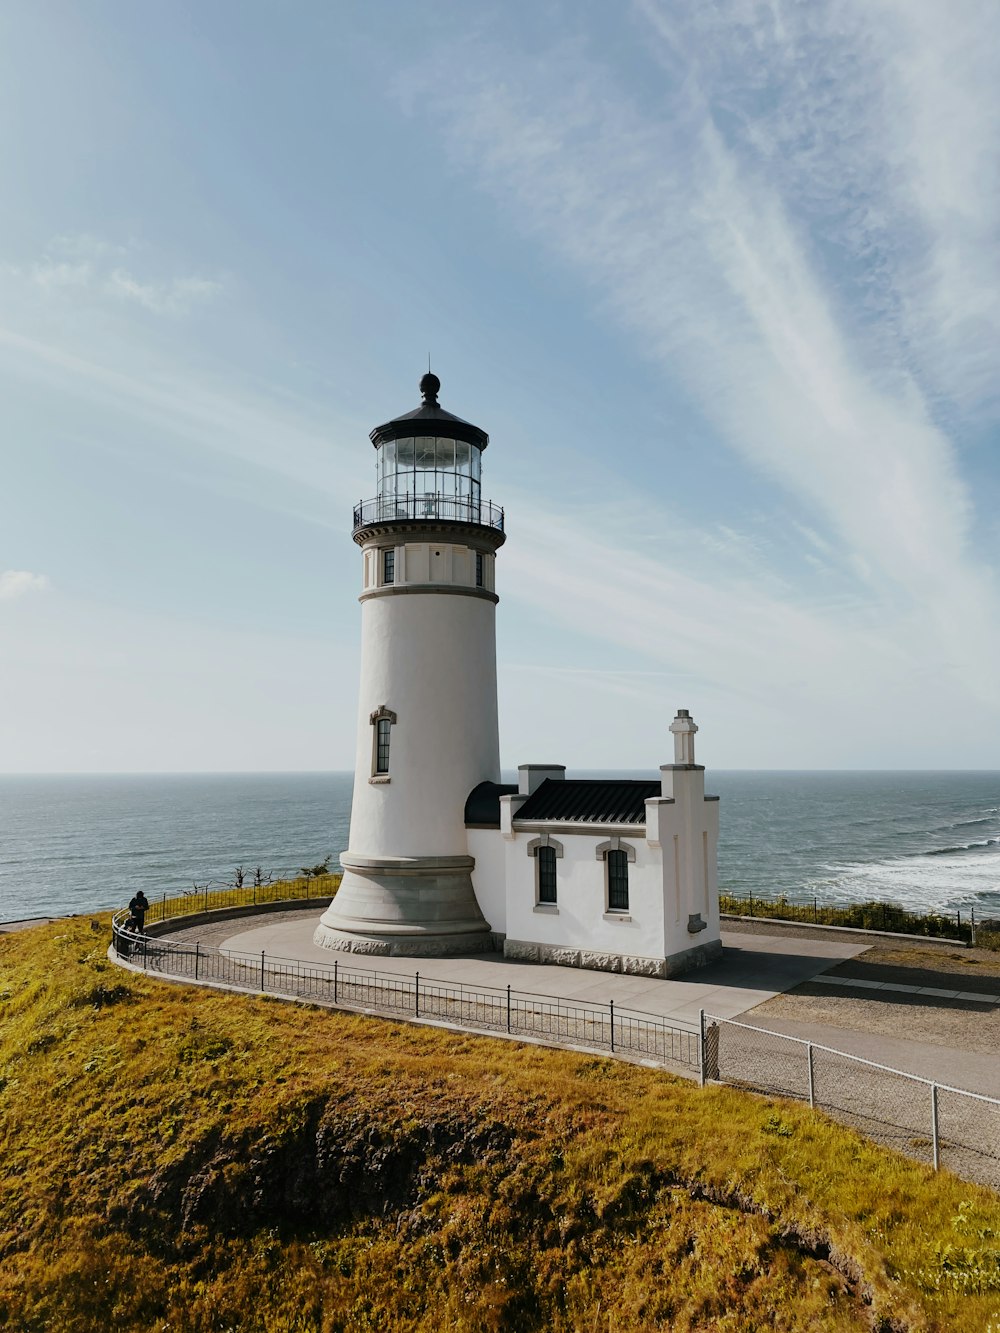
(429, 476)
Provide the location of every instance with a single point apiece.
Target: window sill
(550, 909)
(617, 916)
(379, 781)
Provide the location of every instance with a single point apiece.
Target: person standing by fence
(139, 906)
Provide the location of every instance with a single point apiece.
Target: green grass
(209, 899)
(862, 916)
(189, 1160)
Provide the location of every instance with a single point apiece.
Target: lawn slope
(180, 1159)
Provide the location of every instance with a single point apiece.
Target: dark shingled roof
(429, 418)
(590, 800)
(483, 806)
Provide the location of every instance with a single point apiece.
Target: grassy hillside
(177, 1159)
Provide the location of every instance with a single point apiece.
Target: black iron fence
(585, 1023)
(448, 508)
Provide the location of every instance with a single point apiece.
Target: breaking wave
(958, 851)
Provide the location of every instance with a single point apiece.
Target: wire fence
(585, 1023)
(874, 915)
(930, 1121)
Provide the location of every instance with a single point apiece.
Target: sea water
(929, 841)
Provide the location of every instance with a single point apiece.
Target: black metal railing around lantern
(440, 508)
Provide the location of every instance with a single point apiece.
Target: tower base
(420, 906)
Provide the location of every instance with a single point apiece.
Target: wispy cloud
(88, 266)
(779, 254)
(15, 583)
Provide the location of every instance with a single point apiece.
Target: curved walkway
(754, 968)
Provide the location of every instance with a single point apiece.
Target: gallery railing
(449, 508)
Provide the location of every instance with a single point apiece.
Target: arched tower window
(382, 721)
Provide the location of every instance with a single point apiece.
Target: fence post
(262, 969)
(508, 1006)
(972, 927)
(701, 1048)
(335, 961)
(197, 956)
(612, 1004)
(815, 909)
(416, 995)
(812, 1077)
(934, 1127)
(751, 902)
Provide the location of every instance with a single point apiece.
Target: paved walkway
(755, 968)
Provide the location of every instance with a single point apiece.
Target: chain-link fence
(488, 1008)
(930, 1121)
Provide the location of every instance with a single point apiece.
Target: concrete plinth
(405, 906)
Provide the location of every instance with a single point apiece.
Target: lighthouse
(427, 732)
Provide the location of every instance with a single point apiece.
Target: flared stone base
(682, 961)
(406, 906)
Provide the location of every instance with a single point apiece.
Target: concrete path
(755, 968)
(970, 1070)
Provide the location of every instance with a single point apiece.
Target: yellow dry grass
(179, 1159)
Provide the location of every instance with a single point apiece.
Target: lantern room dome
(430, 418)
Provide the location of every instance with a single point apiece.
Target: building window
(389, 567)
(479, 569)
(381, 720)
(617, 862)
(545, 859)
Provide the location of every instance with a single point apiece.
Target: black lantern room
(429, 466)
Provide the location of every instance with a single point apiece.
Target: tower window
(617, 863)
(389, 567)
(545, 859)
(382, 745)
(381, 720)
(479, 573)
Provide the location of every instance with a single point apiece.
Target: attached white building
(444, 858)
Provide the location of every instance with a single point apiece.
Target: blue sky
(722, 281)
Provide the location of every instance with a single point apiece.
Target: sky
(721, 280)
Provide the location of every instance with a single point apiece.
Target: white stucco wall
(489, 877)
(684, 827)
(580, 919)
(430, 658)
(428, 562)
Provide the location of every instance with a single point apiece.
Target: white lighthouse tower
(427, 714)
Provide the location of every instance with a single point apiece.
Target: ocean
(80, 844)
